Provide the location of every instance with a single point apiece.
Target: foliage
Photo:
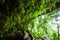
(23, 15)
(39, 27)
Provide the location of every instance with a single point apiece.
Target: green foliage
(39, 27)
(24, 15)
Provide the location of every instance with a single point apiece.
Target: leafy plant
(24, 15)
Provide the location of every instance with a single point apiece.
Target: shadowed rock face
(2, 2)
(17, 36)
